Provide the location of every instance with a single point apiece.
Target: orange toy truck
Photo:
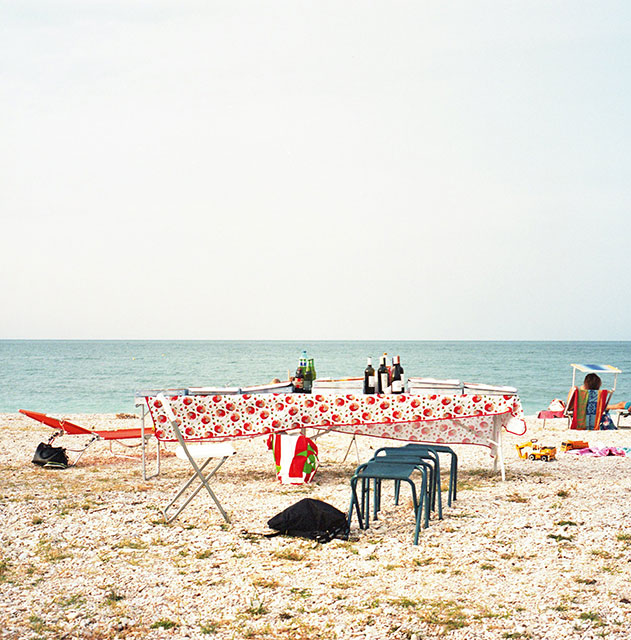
(569, 445)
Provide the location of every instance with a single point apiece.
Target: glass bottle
(299, 380)
(369, 378)
(383, 376)
(398, 382)
(309, 376)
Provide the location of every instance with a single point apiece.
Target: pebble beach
(85, 552)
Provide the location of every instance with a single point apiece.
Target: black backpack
(311, 519)
(48, 456)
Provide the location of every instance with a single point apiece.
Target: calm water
(58, 376)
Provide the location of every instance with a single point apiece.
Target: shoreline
(85, 553)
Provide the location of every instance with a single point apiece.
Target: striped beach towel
(588, 408)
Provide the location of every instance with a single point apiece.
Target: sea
(103, 376)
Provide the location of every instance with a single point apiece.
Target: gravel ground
(84, 552)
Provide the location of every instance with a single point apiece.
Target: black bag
(311, 519)
(47, 456)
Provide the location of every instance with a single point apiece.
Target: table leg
(496, 446)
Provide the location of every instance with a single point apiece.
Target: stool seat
(387, 471)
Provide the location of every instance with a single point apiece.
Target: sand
(84, 552)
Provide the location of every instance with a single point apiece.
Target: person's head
(592, 382)
(275, 381)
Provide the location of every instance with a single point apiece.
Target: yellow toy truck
(538, 451)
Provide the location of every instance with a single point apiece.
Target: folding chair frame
(204, 482)
(145, 437)
(623, 413)
(94, 437)
(197, 475)
(61, 432)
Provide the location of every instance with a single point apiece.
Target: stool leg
(423, 489)
(439, 490)
(431, 487)
(377, 497)
(451, 483)
(454, 466)
(422, 512)
(417, 526)
(355, 504)
(415, 499)
(352, 504)
(365, 502)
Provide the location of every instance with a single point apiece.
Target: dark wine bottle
(369, 378)
(299, 380)
(398, 381)
(383, 377)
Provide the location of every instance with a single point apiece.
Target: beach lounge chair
(585, 408)
(65, 427)
(207, 451)
(623, 413)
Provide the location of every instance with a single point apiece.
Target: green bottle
(311, 375)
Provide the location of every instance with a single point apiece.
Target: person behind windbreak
(593, 382)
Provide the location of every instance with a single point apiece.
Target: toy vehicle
(569, 445)
(539, 451)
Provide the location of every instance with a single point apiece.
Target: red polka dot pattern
(453, 419)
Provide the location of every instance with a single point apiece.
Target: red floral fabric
(453, 419)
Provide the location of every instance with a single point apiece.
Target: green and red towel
(296, 457)
(588, 407)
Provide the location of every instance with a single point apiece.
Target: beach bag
(607, 423)
(312, 519)
(556, 405)
(49, 456)
(296, 457)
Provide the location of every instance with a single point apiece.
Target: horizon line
(298, 340)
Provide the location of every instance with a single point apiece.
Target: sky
(294, 170)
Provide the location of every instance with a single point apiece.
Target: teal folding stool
(427, 458)
(399, 471)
